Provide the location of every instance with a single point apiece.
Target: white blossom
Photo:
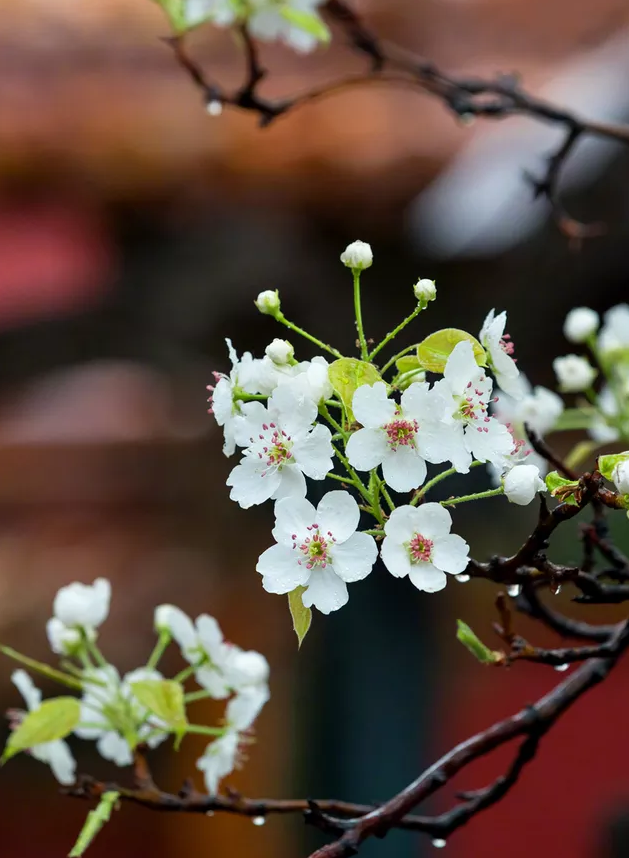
(538, 408)
(283, 446)
(522, 483)
(574, 373)
(418, 543)
(268, 302)
(55, 754)
(357, 255)
(580, 324)
(499, 349)
(280, 352)
(620, 476)
(462, 426)
(219, 12)
(425, 290)
(318, 549)
(614, 334)
(114, 716)
(602, 428)
(391, 435)
(267, 22)
(83, 605)
(62, 639)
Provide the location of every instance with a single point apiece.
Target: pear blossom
(222, 13)
(268, 302)
(113, 715)
(574, 373)
(580, 324)
(223, 755)
(280, 351)
(79, 609)
(56, 754)
(418, 543)
(522, 483)
(317, 549)
(499, 348)
(266, 22)
(283, 447)
(620, 476)
(614, 335)
(462, 426)
(425, 290)
(357, 255)
(62, 639)
(391, 435)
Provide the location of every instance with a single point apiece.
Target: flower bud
(268, 302)
(425, 290)
(357, 256)
(574, 373)
(163, 617)
(522, 483)
(62, 640)
(85, 605)
(580, 324)
(620, 477)
(281, 352)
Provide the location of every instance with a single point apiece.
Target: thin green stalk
(94, 651)
(331, 420)
(43, 669)
(202, 730)
(386, 496)
(354, 479)
(333, 403)
(364, 351)
(186, 673)
(241, 396)
(202, 694)
(281, 318)
(374, 532)
(437, 479)
(159, 649)
(338, 477)
(393, 334)
(490, 493)
(390, 363)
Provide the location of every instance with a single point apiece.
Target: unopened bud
(357, 256)
(425, 290)
(281, 352)
(268, 302)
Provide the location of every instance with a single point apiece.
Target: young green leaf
(54, 719)
(567, 491)
(347, 375)
(408, 363)
(434, 351)
(478, 649)
(95, 820)
(306, 21)
(301, 615)
(164, 698)
(606, 464)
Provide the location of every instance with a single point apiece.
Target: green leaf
(43, 669)
(302, 616)
(434, 351)
(308, 22)
(164, 698)
(408, 363)
(574, 418)
(478, 649)
(580, 452)
(562, 489)
(606, 464)
(347, 375)
(95, 820)
(53, 720)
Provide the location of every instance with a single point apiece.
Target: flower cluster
(451, 400)
(141, 708)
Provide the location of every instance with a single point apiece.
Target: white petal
(251, 483)
(213, 681)
(280, 570)
(292, 484)
(218, 760)
(353, 560)
(314, 453)
(338, 514)
(60, 760)
(416, 400)
(451, 553)
(113, 747)
(366, 448)
(432, 520)
(461, 367)
(326, 591)
(292, 516)
(401, 525)
(427, 577)
(294, 403)
(490, 445)
(395, 557)
(444, 442)
(404, 469)
(371, 406)
(248, 423)
(210, 636)
(182, 629)
(243, 709)
(27, 688)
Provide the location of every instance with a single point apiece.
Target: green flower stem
(281, 318)
(159, 649)
(201, 730)
(375, 533)
(354, 479)
(94, 651)
(43, 669)
(437, 479)
(390, 363)
(202, 694)
(333, 403)
(364, 351)
(338, 477)
(323, 411)
(386, 495)
(490, 493)
(186, 673)
(241, 396)
(374, 489)
(393, 334)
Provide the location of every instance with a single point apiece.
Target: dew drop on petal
(462, 579)
(514, 590)
(561, 667)
(258, 820)
(438, 843)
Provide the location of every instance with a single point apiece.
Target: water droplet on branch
(438, 843)
(561, 667)
(462, 579)
(514, 590)
(214, 107)
(258, 820)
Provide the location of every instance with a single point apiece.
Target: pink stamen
(420, 549)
